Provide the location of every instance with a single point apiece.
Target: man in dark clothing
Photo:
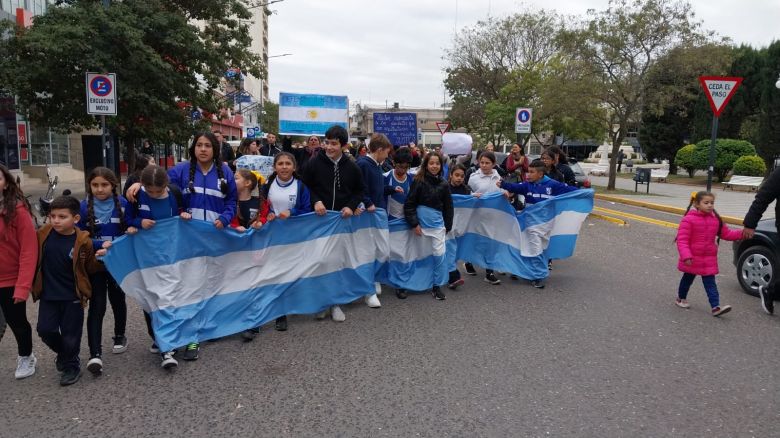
(335, 183)
(768, 192)
(620, 158)
(270, 149)
(225, 150)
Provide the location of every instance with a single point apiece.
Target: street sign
(719, 90)
(443, 127)
(101, 94)
(523, 120)
(250, 132)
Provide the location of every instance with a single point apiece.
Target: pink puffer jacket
(696, 241)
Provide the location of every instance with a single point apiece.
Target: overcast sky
(391, 50)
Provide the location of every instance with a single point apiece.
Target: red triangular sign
(719, 90)
(443, 127)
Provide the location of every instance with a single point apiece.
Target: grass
(603, 190)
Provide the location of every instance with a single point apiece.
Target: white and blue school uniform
(107, 219)
(155, 209)
(206, 202)
(395, 201)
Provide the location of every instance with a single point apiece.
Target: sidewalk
(727, 202)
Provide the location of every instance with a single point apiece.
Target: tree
(684, 159)
(617, 49)
(169, 56)
(270, 121)
(769, 114)
(727, 151)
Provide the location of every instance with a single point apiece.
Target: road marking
(614, 220)
(636, 217)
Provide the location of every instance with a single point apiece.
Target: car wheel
(756, 267)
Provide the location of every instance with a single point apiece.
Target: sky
(378, 51)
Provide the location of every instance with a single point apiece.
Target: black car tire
(753, 267)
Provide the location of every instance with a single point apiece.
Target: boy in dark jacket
(335, 183)
(538, 187)
(66, 258)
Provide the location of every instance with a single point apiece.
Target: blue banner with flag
(200, 283)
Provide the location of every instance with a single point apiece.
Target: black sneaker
(120, 344)
(168, 362)
(401, 294)
(248, 335)
(514, 277)
(491, 278)
(767, 302)
(549, 265)
(154, 349)
(191, 352)
(537, 284)
(95, 365)
(437, 293)
(60, 366)
(70, 376)
(470, 269)
(281, 324)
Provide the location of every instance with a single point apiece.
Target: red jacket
(20, 252)
(696, 241)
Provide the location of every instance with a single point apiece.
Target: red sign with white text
(719, 91)
(21, 132)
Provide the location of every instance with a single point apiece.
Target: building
(22, 144)
(361, 122)
(254, 91)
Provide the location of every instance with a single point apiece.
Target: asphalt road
(601, 352)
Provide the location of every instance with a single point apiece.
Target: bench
(598, 170)
(743, 181)
(659, 174)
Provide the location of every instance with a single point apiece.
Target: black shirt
(248, 210)
(59, 283)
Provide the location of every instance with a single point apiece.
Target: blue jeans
(59, 325)
(709, 286)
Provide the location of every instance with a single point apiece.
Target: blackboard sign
(400, 128)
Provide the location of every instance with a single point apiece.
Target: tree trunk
(617, 141)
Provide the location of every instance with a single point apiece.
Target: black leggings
(16, 317)
(104, 286)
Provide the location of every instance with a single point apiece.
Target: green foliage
(270, 120)
(166, 62)
(749, 165)
(727, 151)
(684, 159)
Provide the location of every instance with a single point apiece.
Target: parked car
(579, 175)
(756, 259)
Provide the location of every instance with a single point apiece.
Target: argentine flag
(200, 283)
(489, 233)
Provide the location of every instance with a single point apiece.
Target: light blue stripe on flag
(313, 100)
(296, 127)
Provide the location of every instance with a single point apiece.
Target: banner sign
(259, 163)
(400, 128)
(200, 283)
(311, 114)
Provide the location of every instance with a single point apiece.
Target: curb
(659, 207)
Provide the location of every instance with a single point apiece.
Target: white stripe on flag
(304, 114)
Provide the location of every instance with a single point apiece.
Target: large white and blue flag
(200, 283)
(417, 263)
(489, 233)
(311, 114)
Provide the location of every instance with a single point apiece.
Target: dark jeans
(16, 317)
(149, 329)
(104, 286)
(709, 286)
(454, 276)
(60, 326)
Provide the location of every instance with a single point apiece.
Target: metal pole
(103, 141)
(711, 166)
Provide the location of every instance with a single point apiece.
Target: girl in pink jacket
(699, 251)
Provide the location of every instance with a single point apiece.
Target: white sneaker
(25, 366)
(337, 314)
(168, 361)
(378, 288)
(322, 314)
(373, 301)
(95, 366)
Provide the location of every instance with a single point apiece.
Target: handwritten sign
(400, 128)
(259, 163)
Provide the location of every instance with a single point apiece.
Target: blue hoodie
(108, 231)
(144, 210)
(207, 203)
(539, 191)
(374, 181)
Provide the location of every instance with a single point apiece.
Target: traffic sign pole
(711, 166)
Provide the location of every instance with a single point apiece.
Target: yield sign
(443, 127)
(719, 90)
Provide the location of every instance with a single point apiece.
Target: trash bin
(642, 176)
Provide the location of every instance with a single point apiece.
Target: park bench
(743, 181)
(598, 170)
(659, 174)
